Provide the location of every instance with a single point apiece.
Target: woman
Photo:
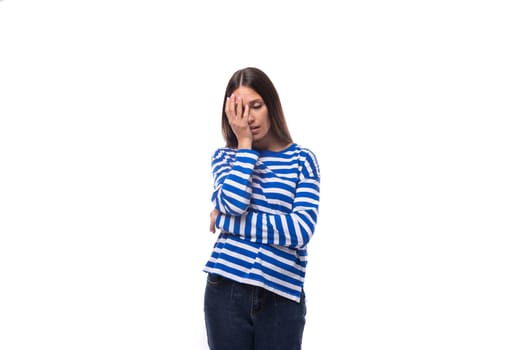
(266, 199)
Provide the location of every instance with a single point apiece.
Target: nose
(250, 118)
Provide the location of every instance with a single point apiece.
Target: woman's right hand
(213, 218)
(238, 119)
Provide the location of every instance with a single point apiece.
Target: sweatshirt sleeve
(232, 172)
(294, 229)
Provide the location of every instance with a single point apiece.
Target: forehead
(247, 93)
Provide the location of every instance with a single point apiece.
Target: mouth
(254, 129)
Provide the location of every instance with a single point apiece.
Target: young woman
(266, 198)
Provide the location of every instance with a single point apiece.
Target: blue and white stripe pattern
(268, 203)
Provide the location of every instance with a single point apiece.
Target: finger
(228, 108)
(246, 112)
(212, 222)
(213, 218)
(238, 107)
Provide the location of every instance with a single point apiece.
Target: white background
(109, 112)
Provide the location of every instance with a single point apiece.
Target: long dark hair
(257, 80)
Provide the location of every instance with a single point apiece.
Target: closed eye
(256, 104)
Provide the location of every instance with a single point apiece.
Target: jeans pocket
(214, 279)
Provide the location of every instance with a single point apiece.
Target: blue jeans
(243, 317)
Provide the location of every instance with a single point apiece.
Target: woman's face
(258, 118)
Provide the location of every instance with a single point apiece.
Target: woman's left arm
(293, 230)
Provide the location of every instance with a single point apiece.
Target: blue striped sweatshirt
(268, 205)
